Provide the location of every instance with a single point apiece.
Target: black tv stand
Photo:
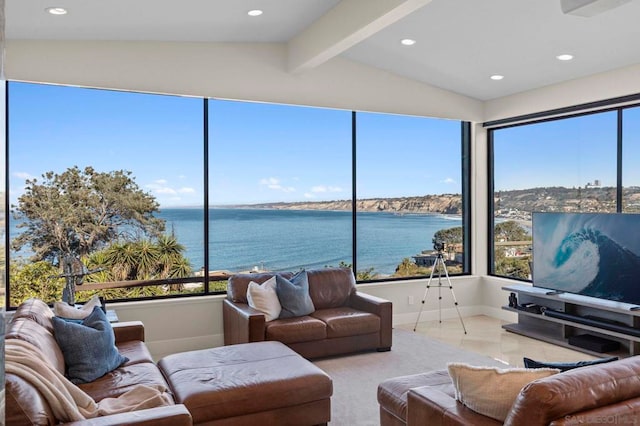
(575, 315)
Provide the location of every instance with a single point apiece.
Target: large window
(560, 165)
(107, 192)
(409, 191)
(280, 187)
(97, 183)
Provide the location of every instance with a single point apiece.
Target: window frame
(465, 163)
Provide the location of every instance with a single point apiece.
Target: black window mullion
(205, 148)
(354, 240)
(619, 168)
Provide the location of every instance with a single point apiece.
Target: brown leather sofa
(597, 394)
(345, 320)
(24, 405)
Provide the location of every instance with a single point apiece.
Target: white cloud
(324, 189)
(274, 183)
(449, 180)
(166, 190)
(161, 181)
(23, 175)
(309, 195)
(186, 190)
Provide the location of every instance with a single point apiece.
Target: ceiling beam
(348, 23)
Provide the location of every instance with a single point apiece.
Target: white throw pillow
(491, 391)
(64, 310)
(264, 298)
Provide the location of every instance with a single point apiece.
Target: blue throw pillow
(565, 366)
(294, 295)
(89, 348)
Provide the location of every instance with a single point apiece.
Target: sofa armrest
(242, 323)
(380, 307)
(171, 415)
(426, 405)
(624, 412)
(127, 331)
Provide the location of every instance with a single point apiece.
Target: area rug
(356, 377)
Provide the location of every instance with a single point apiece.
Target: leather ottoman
(392, 394)
(263, 383)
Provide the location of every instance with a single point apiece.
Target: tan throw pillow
(263, 297)
(491, 391)
(64, 310)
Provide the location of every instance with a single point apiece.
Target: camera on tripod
(438, 245)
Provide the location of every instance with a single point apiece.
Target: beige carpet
(356, 377)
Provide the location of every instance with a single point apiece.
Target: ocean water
(243, 239)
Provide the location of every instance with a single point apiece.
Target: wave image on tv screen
(593, 254)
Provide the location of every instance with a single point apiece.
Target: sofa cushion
(64, 310)
(263, 297)
(566, 366)
(237, 284)
(392, 393)
(35, 310)
(89, 348)
(32, 332)
(345, 321)
(295, 330)
(124, 379)
(331, 287)
(294, 295)
(491, 391)
(135, 351)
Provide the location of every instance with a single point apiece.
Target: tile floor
(486, 336)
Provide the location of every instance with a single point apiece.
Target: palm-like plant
(140, 260)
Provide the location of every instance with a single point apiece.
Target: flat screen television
(593, 254)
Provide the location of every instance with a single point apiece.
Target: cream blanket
(67, 401)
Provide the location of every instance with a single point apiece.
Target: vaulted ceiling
(459, 44)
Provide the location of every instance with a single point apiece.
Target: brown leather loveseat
(597, 394)
(345, 320)
(25, 405)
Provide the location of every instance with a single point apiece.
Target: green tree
(80, 211)
(141, 260)
(510, 231)
(449, 236)
(516, 267)
(37, 279)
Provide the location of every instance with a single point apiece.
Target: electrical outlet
(410, 300)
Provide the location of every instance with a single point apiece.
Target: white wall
(254, 72)
(606, 85)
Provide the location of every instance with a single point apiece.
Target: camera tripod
(440, 265)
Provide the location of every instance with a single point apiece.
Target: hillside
(521, 202)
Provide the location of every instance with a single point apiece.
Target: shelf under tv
(578, 315)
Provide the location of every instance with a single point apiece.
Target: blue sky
(259, 152)
(269, 153)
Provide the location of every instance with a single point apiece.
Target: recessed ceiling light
(564, 57)
(56, 10)
(497, 77)
(254, 12)
(408, 41)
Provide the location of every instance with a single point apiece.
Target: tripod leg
(424, 297)
(455, 301)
